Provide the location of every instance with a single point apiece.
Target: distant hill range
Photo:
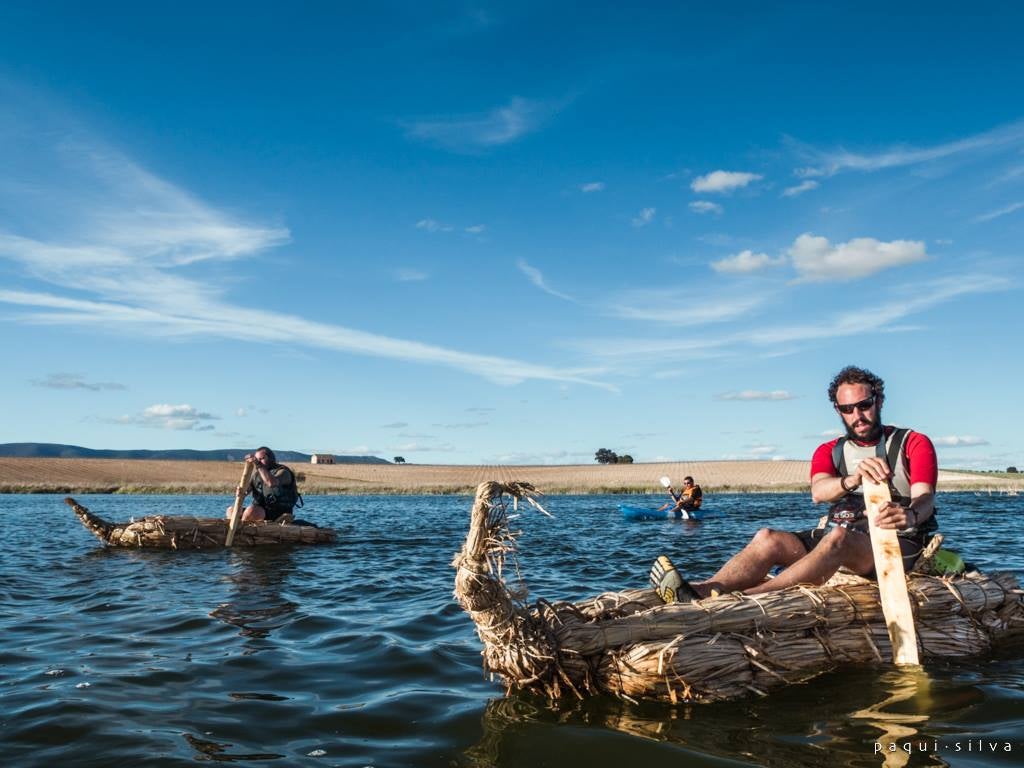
(58, 451)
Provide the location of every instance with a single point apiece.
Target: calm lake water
(357, 654)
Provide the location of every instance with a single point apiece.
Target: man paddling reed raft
(273, 488)
(838, 469)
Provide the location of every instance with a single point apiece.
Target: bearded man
(901, 458)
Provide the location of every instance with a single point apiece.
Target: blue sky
(472, 233)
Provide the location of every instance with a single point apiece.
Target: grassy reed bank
(186, 477)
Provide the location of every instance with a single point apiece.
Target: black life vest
(281, 498)
(847, 455)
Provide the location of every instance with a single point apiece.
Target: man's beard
(871, 437)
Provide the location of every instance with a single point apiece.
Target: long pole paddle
(236, 511)
(892, 581)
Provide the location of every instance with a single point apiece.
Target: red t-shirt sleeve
(822, 459)
(922, 463)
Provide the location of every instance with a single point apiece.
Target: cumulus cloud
(645, 217)
(817, 260)
(723, 181)
(74, 381)
(960, 441)
(705, 206)
(592, 186)
(482, 130)
(799, 189)
(753, 394)
(166, 416)
(746, 262)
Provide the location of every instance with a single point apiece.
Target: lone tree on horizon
(605, 456)
(399, 460)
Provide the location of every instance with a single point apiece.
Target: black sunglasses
(864, 405)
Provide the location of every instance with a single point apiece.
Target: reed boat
(631, 645)
(183, 532)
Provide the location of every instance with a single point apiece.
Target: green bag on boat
(946, 562)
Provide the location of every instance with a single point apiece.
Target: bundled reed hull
(630, 644)
(179, 532)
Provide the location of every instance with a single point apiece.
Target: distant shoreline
(138, 476)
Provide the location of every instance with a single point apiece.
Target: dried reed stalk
(181, 532)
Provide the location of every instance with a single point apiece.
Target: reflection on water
(255, 604)
(861, 717)
(357, 655)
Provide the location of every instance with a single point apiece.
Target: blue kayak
(643, 513)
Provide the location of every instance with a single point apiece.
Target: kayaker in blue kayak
(687, 500)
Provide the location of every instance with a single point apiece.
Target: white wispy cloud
(424, 448)
(120, 255)
(723, 181)
(817, 260)
(827, 434)
(433, 225)
(475, 229)
(74, 381)
(395, 425)
(961, 441)
(408, 275)
(536, 277)
(592, 186)
(705, 206)
(999, 212)
(483, 130)
(166, 416)
(886, 315)
(676, 306)
(745, 262)
(799, 189)
(645, 217)
(830, 162)
(753, 394)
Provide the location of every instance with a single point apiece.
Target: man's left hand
(893, 516)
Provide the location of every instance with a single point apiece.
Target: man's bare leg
(839, 547)
(750, 565)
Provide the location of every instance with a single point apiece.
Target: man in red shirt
(902, 458)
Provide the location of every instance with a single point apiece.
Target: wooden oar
(892, 581)
(240, 492)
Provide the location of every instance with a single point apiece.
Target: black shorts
(274, 512)
(910, 546)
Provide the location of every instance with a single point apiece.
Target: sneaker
(670, 586)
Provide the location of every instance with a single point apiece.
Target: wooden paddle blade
(892, 581)
(236, 511)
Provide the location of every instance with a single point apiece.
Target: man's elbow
(818, 497)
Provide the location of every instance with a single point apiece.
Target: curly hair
(851, 374)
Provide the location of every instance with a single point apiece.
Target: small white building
(321, 458)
